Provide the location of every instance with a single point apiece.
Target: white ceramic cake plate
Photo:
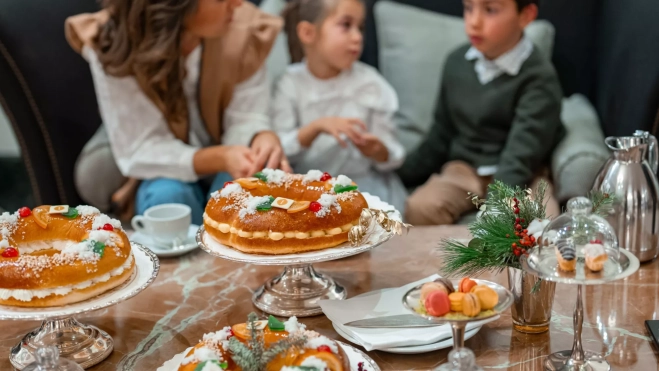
(84, 344)
(355, 356)
(544, 265)
(298, 289)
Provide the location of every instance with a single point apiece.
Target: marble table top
(197, 293)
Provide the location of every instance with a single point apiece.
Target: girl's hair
(142, 38)
(296, 11)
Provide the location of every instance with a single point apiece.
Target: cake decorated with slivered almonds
(277, 213)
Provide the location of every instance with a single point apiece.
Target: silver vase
(534, 299)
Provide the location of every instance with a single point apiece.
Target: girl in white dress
(333, 113)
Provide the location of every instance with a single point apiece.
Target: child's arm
(283, 113)
(433, 152)
(535, 131)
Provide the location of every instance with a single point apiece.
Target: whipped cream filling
(28, 295)
(30, 247)
(273, 235)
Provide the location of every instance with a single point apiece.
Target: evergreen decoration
(499, 233)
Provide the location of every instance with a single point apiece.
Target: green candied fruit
(261, 176)
(341, 189)
(266, 205)
(275, 325)
(72, 213)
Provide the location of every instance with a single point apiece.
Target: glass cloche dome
(577, 245)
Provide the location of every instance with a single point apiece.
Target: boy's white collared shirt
(510, 62)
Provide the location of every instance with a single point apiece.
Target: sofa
(600, 51)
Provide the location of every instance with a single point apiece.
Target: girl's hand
(238, 161)
(268, 153)
(339, 126)
(372, 147)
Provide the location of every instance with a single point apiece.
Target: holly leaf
(72, 213)
(222, 365)
(266, 205)
(341, 189)
(261, 176)
(274, 324)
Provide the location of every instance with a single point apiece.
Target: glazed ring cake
(57, 255)
(306, 350)
(278, 213)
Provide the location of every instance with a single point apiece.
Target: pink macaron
(437, 303)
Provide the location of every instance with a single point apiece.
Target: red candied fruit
(107, 227)
(326, 176)
(315, 206)
(10, 252)
(226, 184)
(324, 348)
(24, 212)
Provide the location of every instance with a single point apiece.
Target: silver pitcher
(630, 175)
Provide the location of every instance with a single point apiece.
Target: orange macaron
(466, 284)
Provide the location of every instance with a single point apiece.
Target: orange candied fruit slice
(248, 183)
(332, 361)
(41, 216)
(298, 206)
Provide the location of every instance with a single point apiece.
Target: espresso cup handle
(139, 223)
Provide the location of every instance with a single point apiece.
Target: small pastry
(447, 283)
(456, 301)
(595, 256)
(437, 304)
(430, 287)
(486, 295)
(566, 255)
(466, 284)
(471, 305)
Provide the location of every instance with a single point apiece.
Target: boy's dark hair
(521, 4)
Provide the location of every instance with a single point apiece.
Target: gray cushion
(414, 44)
(580, 155)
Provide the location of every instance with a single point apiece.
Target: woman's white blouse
(143, 145)
(360, 92)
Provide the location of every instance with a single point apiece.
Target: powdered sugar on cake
(327, 200)
(341, 180)
(312, 176)
(230, 190)
(250, 204)
(275, 176)
(102, 219)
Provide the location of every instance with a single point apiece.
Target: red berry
(522, 220)
(517, 253)
(596, 241)
(526, 231)
(324, 348)
(516, 211)
(107, 227)
(518, 227)
(315, 206)
(515, 199)
(360, 366)
(226, 184)
(514, 245)
(231, 334)
(24, 212)
(10, 252)
(326, 176)
(518, 220)
(532, 239)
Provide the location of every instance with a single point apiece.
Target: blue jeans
(165, 191)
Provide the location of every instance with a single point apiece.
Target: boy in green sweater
(497, 117)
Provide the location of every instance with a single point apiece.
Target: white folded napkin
(380, 304)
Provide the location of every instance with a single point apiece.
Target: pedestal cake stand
(297, 290)
(543, 263)
(83, 344)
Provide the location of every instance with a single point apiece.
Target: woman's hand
(372, 147)
(238, 161)
(268, 153)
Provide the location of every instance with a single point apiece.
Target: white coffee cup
(166, 224)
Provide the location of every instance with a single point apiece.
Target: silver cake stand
(542, 263)
(84, 344)
(412, 301)
(297, 290)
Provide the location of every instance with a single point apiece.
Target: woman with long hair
(183, 95)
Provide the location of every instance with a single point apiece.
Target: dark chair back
(47, 92)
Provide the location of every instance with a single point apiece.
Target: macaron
(437, 304)
(466, 284)
(486, 295)
(447, 283)
(456, 301)
(471, 306)
(430, 287)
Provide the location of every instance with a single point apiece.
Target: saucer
(162, 252)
